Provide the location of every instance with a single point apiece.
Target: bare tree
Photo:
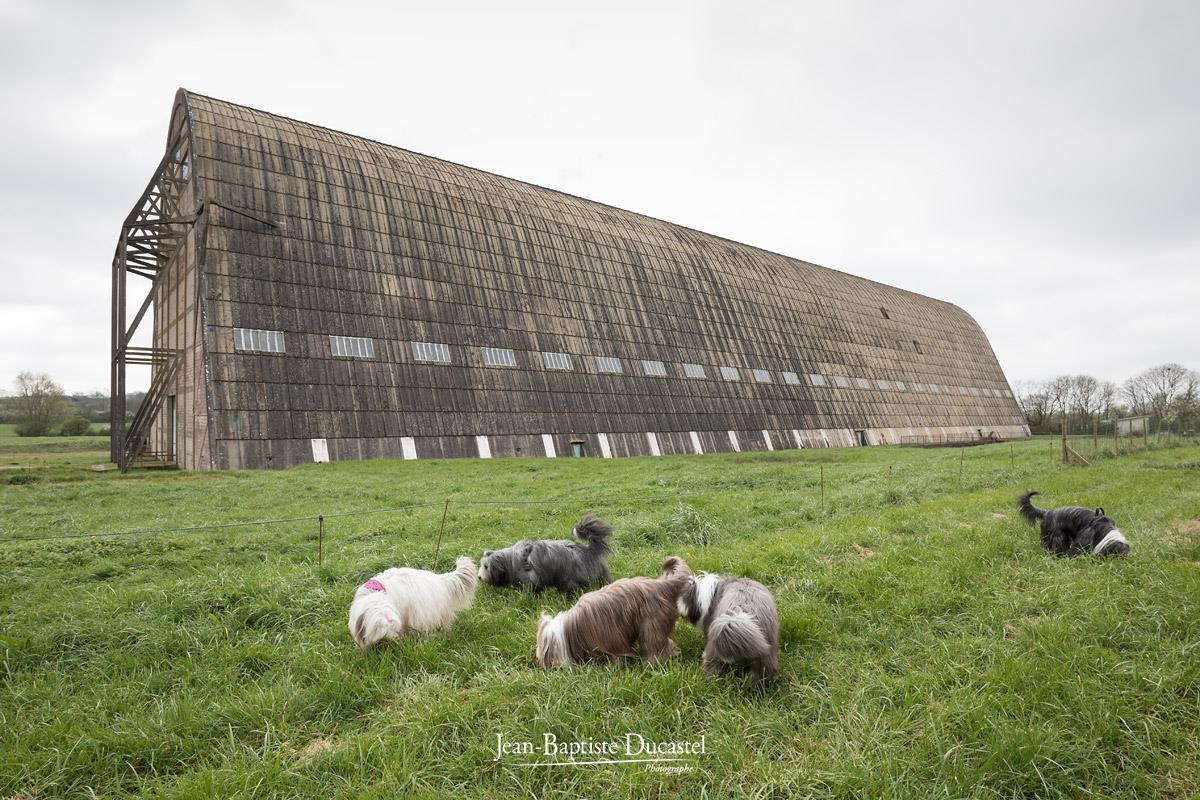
(39, 402)
(1107, 398)
(1135, 395)
(1164, 391)
(1083, 396)
(1035, 402)
(1058, 392)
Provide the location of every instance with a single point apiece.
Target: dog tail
(464, 576)
(595, 532)
(737, 639)
(1029, 511)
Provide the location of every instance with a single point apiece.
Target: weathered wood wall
(321, 233)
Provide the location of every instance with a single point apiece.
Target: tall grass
(930, 648)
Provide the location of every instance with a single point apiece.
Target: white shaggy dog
(403, 600)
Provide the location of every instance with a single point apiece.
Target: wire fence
(825, 485)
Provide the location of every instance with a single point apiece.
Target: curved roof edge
(185, 93)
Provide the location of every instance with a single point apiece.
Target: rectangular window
(656, 369)
(498, 357)
(731, 374)
(693, 371)
(933, 387)
(352, 346)
(431, 351)
(258, 341)
(882, 384)
(996, 393)
(556, 361)
(608, 364)
(841, 381)
(918, 387)
(917, 346)
(901, 387)
(1007, 393)
(974, 391)
(791, 378)
(863, 383)
(817, 380)
(761, 375)
(962, 390)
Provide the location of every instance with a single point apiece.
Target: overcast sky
(1036, 163)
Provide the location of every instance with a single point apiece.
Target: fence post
(320, 540)
(441, 530)
(822, 490)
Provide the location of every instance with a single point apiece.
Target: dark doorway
(862, 438)
(172, 427)
(578, 449)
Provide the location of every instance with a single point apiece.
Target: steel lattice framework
(149, 241)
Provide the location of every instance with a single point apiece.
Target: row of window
(439, 353)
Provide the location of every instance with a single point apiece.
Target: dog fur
(631, 616)
(411, 601)
(1072, 531)
(740, 624)
(559, 563)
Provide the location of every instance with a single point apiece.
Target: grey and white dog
(740, 624)
(1072, 530)
(559, 563)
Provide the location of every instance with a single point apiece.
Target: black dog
(567, 566)
(1071, 530)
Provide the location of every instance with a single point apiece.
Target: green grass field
(930, 648)
(39, 452)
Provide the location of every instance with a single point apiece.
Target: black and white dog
(740, 624)
(1071, 530)
(559, 563)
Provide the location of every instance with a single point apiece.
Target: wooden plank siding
(316, 233)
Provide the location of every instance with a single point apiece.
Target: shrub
(32, 429)
(19, 478)
(75, 426)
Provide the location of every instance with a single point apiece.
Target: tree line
(40, 407)
(1168, 394)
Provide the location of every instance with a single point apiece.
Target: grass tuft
(930, 648)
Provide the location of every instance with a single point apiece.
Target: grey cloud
(1016, 159)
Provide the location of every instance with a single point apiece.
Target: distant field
(18, 452)
(931, 649)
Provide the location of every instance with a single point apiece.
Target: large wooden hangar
(316, 295)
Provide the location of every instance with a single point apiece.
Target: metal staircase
(165, 364)
(151, 237)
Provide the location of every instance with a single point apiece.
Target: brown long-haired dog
(628, 617)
